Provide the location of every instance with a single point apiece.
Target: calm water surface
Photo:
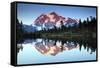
(48, 51)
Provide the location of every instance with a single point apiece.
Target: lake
(37, 51)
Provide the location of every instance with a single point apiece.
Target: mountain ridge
(52, 18)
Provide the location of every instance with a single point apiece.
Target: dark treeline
(21, 34)
(87, 27)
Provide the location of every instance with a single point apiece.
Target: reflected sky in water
(48, 51)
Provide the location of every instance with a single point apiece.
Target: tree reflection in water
(19, 48)
(55, 46)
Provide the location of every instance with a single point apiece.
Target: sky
(27, 13)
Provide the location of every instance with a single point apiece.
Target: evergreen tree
(80, 24)
(63, 28)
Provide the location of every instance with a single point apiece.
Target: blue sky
(27, 13)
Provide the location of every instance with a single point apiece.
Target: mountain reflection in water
(54, 47)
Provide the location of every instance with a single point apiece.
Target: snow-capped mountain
(53, 19)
